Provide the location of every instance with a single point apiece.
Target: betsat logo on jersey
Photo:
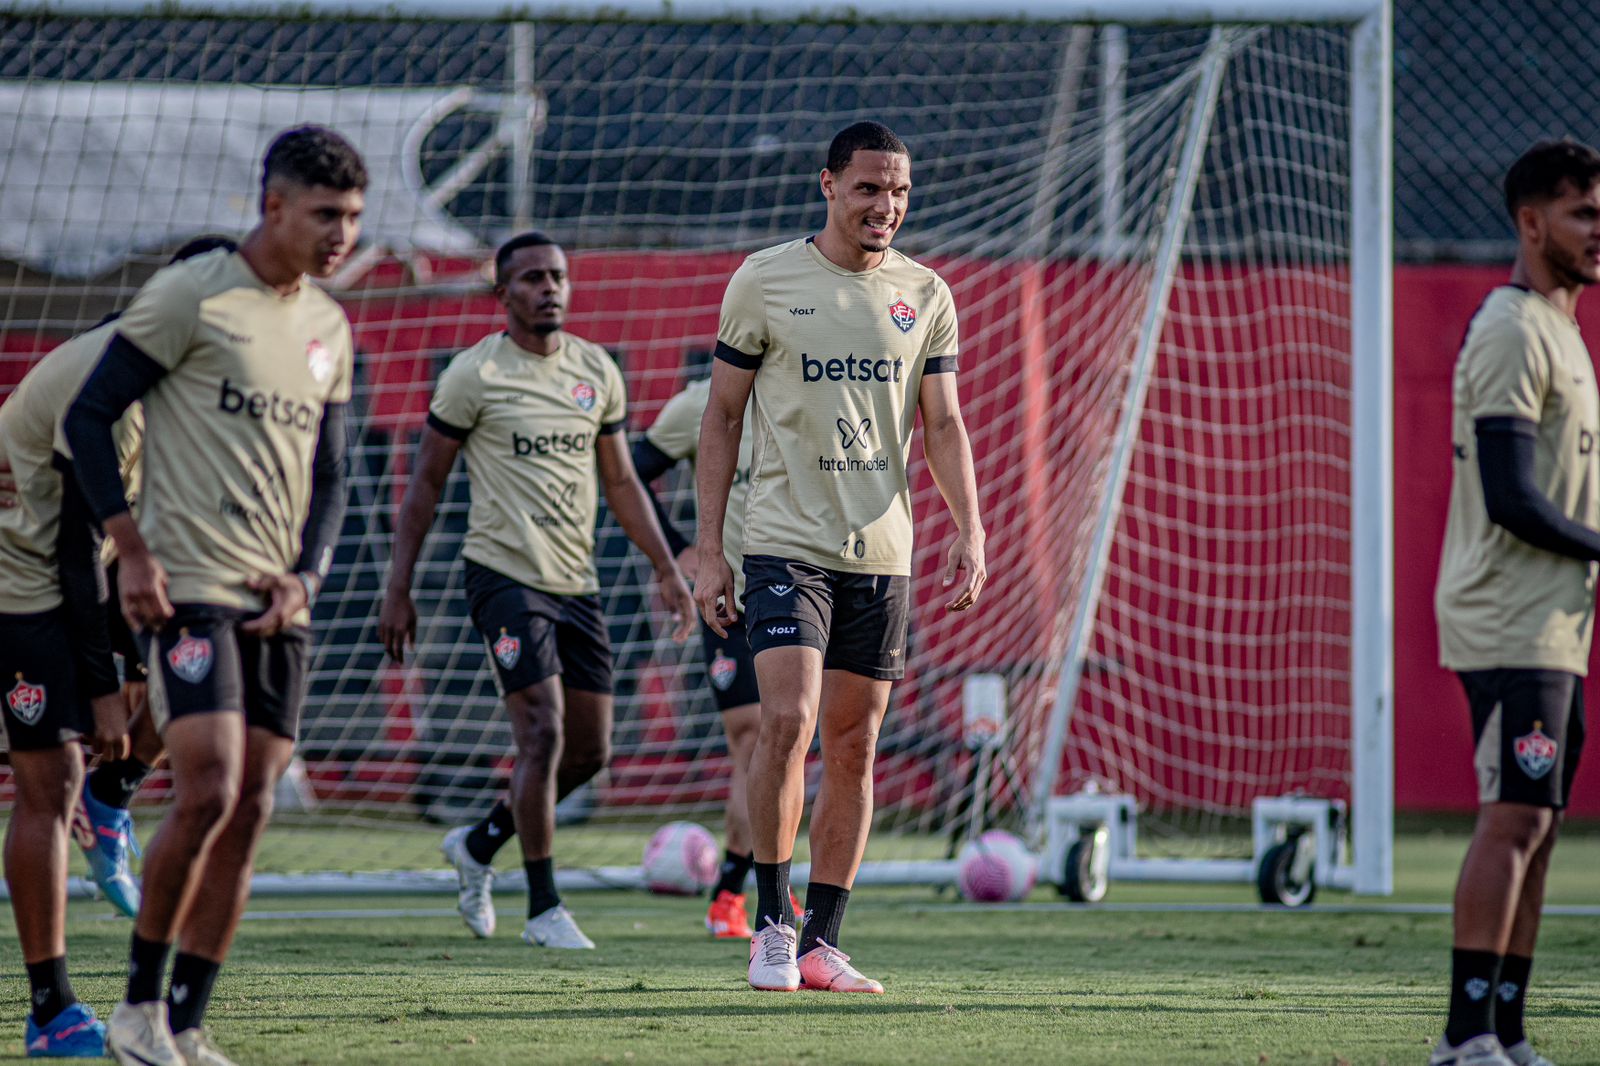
(26, 701)
(191, 657)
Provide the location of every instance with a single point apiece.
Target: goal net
(1148, 233)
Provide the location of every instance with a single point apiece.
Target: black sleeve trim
(84, 591)
(729, 354)
(940, 364)
(650, 462)
(123, 374)
(608, 428)
(453, 432)
(1507, 449)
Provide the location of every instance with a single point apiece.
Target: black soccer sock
(1473, 977)
(772, 894)
(114, 783)
(491, 834)
(147, 961)
(824, 915)
(542, 894)
(1509, 998)
(52, 991)
(735, 869)
(187, 999)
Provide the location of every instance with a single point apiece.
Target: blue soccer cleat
(107, 842)
(75, 1033)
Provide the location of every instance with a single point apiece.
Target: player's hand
(966, 557)
(288, 599)
(142, 584)
(714, 590)
(397, 623)
(689, 562)
(111, 740)
(8, 486)
(679, 601)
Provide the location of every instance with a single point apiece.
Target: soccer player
(244, 369)
(841, 341)
(675, 436)
(1516, 594)
(538, 414)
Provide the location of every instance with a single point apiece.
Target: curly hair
(313, 155)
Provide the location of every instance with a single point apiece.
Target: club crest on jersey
(191, 657)
(507, 650)
(320, 359)
(1536, 752)
(26, 701)
(902, 314)
(583, 395)
(723, 671)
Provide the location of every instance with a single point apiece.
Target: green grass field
(1039, 984)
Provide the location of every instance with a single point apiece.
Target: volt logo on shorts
(507, 650)
(723, 671)
(782, 631)
(26, 701)
(1536, 752)
(851, 435)
(191, 657)
(782, 590)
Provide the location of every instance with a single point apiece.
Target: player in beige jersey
(835, 343)
(1516, 594)
(538, 414)
(244, 369)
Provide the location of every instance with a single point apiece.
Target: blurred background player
(244, 368)
(538, 414)
(828, 526)
(1516, 594)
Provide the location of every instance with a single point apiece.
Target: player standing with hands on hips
(836, 342)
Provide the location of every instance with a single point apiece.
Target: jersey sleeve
(615, 415)
(742, 328)
(343, 384)
(1506, 371)
(676, 431)
(457, 400)
(944, 334)
(163, 317)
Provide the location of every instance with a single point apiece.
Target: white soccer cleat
(1482, 1050)
(827, 969)
(772, 965)
(474, 883)
(197, 1049)
(556, 929)
(138, 1035)
(1522, 1054)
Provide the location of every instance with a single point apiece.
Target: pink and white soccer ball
(681, 859)
(996, 868)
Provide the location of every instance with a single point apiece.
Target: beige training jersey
(233, 425)
(529, 425)
(30, 431)
(1501, 602)
(839, 359)
(676, 433)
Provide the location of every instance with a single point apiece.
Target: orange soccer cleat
(726, 919)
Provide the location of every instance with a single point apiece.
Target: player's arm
(83, 589)
(650, 462)
(324, 516)
(1507, 460)
(436, 454)
(630, 502)
(721, 429)
(949, 455)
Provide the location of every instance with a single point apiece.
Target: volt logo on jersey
(1536, 752)
(583, 395)
(191, 657)
(851, 435)
(507, 650)
(26, 701)
(902, 314)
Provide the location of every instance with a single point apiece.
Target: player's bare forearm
(436, 453)
(949, 453)
(721, 429)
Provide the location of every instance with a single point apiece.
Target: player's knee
(200, 809)
(1520, 828)
(254, 809)
(584, 763)
(851, 750)
(785, 728)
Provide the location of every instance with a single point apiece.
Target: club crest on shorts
(320, 359)
(26, 701)
(1536, 752)
(723, 672)
(902, 314)
(191, 657)
(507, 650)
(583, 395)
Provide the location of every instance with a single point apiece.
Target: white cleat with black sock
(138, 1035)
(772, 962)
(197, 1049)
(1522, 1054)
(556, 928)
(827, 969)
(1482, 1050)
(474, 883)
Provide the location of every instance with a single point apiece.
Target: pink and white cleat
(772, 965)
(827, 969)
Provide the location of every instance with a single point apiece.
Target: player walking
(841, 342)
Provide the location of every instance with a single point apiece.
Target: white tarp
(93, 171)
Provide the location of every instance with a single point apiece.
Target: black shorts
(532, 635)
(857, 621)
(1528, 728)
(42, 708)
(730, 666)
(201, 662)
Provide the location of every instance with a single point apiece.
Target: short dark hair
(863, 137)
(202, 245)
(502, 256)
(313, 155)
(1538, 175)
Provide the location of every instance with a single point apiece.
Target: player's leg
(732, 673)
(106, 832)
